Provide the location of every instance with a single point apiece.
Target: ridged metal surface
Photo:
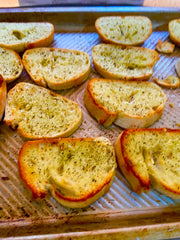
(15, 198)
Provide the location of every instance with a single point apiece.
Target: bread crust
(106, 117)
(14, 115)
(118, 19)
(174, 36)
(138, 183)
(3, 94)
(165, 47)
(144, 73)
(127, 164)
(59, 83)
(87, 197)
(21, 46)
(169, 82)
(16, 62)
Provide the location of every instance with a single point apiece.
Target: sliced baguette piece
(3, 94)
(174, 30)
(169, 82)
(10, 64)
(37, 112)
(127, 63)
(20, 36)
(124, 30)
(128, 104)
(165, 47)
(57, 68)
(150, 156)
(77, 171)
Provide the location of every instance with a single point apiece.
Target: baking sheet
(120, 212)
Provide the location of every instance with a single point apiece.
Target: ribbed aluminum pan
(19, 213)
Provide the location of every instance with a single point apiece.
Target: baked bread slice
(77, 171)
(3, 94)
(57, 68)
(150, 156)
(10, 64)
(165, 47)
(20, 36)
(122, 62)
(128, 104)
(37, 112)
(124, 30)
(174, 30)
(169, 82)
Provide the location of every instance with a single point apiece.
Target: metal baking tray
(121, 213)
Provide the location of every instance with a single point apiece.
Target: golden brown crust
(59, 83)
(16, 61)
(106, 117)
(144, 73)
(140, 183)
(42, 42)
(165, 47)
(101, 113)
(87, 197)
(54, 126)
(108, 39)
(172, 32)
(3, 94)
(169, 82)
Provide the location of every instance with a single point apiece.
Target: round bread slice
(10, 64)
(169, 82)
(150, 157)
(174, 30)
(57, 68)
(37, 112)
(3, 94)
(124, 62)
(128, 104)
(77, 171)
(20, 36)
(124, 30)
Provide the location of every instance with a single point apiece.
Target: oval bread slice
(128, 104)
(150, 156)
(174, 30)
(57, 68)
(3, 94)
(10, 64)
(37, 112)
(76, 171)
(21, 36)
(127, 63)
(124, 30)
(169, 82)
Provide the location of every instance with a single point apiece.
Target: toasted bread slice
(129, 104)
(174, 30)
(165, 47)
(10, 64)
(124, 30)
(37, 112)
(76, 171)
(3, 94)
(57, 68)
(127, 63)
(177, 67)
(22, 36)
(169, 82)
(150, 156)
